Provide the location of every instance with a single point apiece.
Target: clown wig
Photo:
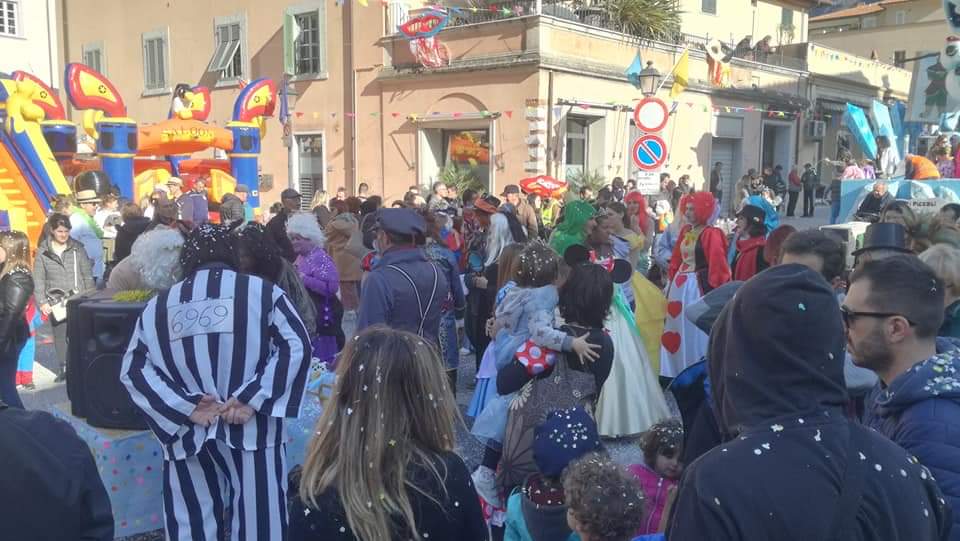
(637, 197)
(704, 206)
(156, 257)
(305, 225)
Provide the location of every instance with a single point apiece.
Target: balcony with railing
(585, 14)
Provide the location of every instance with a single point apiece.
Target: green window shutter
(290, 32)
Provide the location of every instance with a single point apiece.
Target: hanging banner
(881, 119)
(856, 122)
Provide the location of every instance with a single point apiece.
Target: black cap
(401, 221)
(289, 193)
(753, 214)
(511, 188)
(884, 236)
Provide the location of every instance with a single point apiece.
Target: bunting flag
(681, 75)
(633, 71)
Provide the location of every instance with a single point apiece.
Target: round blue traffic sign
(649, 152)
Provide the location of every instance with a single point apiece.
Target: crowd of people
(586, 319)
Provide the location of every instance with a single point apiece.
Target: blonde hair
(945, 262)
(305, 224)
(391, 407)
(17, 247)
(320, 198)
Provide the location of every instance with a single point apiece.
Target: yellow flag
(362, 3)
(681, 75)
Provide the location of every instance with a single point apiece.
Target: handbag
(59, 308)
(563, 388)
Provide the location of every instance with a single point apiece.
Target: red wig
(637, 197)
(704, 204)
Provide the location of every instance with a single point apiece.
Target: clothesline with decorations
(558, 110)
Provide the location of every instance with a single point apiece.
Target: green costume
(571, 230)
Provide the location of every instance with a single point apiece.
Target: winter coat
(277, 229)
(319, 276)
(655, 492)
(776, 372)
(389, 298)
(920, 411)
(528, 218)
(127, 234)
(51, 271)
(528, 520)
(16, 288)
(231, 209)
(52, 489)
(951, 321)
(339, 231)
(85, 231)
(194, 208)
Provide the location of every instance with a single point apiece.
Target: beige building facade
(30, 38)
(535, 89)
(895, 30)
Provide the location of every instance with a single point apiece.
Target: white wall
(35, 47)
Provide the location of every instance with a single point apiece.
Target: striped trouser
(196, 491)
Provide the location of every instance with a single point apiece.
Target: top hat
(884, 236)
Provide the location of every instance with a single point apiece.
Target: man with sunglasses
(892, 313)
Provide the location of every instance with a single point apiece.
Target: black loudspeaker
(98, 332)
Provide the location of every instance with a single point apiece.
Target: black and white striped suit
(226, 334)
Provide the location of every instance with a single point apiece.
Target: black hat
(511, 188)
(289, 193)
(401, 221)
(753, 214)
(564, 436)
(884, 236)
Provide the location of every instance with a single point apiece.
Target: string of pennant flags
(558, 110)
(508, 9)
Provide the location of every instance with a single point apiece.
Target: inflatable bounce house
(38, 145)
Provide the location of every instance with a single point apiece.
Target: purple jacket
(318, 272)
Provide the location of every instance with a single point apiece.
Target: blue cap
(401, 221)
(563, 437)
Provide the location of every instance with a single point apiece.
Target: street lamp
(649, 79)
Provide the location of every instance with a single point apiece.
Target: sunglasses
(849, 315)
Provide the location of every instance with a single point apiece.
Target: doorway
(727, 151)
(777, 145)
(308, 166)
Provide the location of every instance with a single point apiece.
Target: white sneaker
(484, 480)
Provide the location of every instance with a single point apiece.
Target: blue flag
(633, 72)
(856, 122)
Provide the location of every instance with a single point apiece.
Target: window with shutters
(899, 58)
(786, 18)
(156, 62)
(900, 17)
(708, 6)
(305, 35)
(229, 58)
(10, 18)
(93, 57)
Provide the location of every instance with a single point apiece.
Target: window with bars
(93, 57)
(228, 53)
(307, 44)
(155, 67)
(10, 17)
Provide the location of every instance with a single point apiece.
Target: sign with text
(648, 182)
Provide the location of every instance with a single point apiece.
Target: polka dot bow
(535, 359)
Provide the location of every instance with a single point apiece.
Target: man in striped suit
(216, 363)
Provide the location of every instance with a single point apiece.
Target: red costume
(699, 264)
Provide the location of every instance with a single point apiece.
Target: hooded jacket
(539, 517)
(231, 209)
(776, 369)
(920, 411)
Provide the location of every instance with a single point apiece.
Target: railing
(584, 12)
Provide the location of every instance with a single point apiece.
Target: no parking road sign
(651, 114)
(649, 152)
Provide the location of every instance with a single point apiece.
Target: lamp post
(649, 79)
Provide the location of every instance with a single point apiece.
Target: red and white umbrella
(544, 186)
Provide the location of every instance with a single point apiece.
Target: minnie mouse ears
(620, 269)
